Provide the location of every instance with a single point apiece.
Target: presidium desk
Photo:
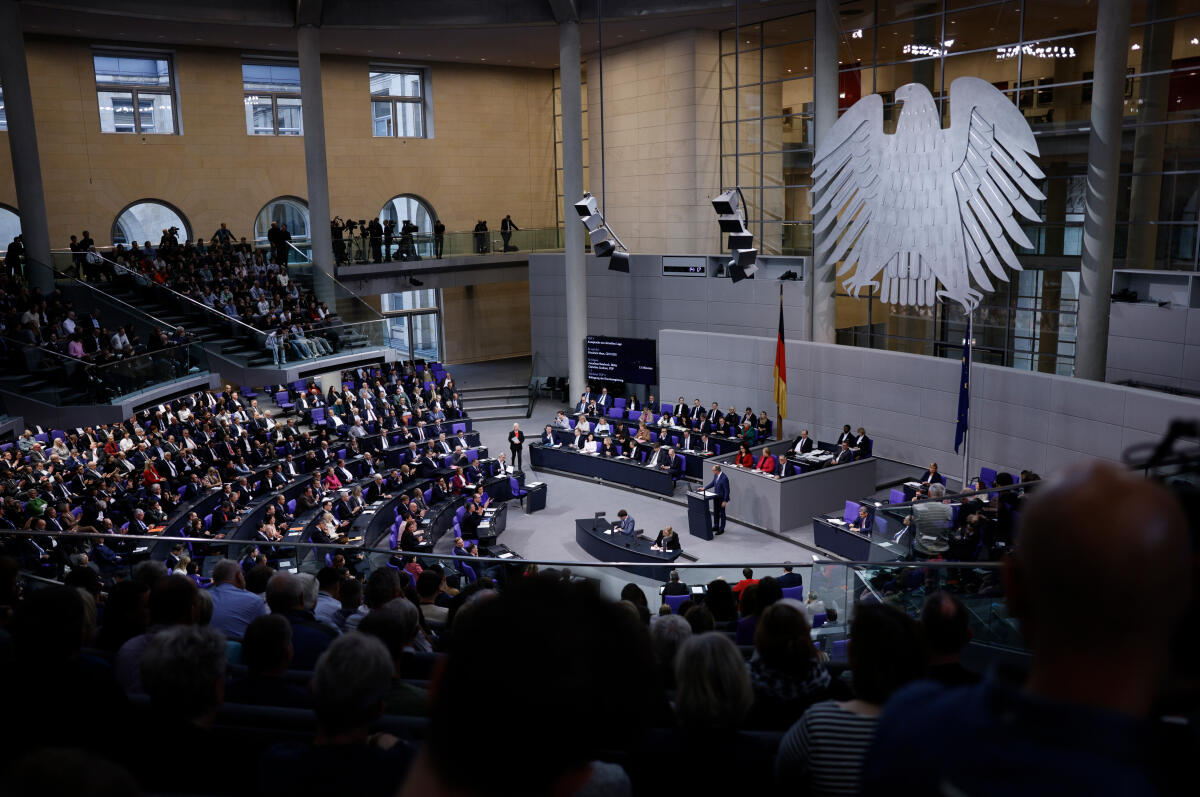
(781, 504)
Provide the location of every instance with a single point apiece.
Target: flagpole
(967, 434)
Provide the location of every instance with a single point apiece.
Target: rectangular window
(3, 115)
(272, 98)
(135, 93)
(398, 99)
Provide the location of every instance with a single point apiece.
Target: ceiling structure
(499, 32)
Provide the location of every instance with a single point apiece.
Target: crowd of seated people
(228, 275)
(388, 398)
(731, 425)
(31, 321)
(283, 683)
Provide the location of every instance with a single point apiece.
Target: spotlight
(598, 234)
(587, 206)
(741, 240)
(739, 273)
(731, 223)
(593, 222)
(726, 203)
(619, 262)
(604, 248)
(744, 257)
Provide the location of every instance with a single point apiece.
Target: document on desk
(608, 531)
(836, 521)
(505, 556)
(914, 485)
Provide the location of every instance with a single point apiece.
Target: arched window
(413, 208)
(10, 226)
(145, 220)
(286, 210)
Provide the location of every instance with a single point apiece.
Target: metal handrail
(107, 296)
(677, 565)
(205, 308)
(348, 293)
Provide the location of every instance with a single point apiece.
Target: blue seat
(458, 428)
(515, 486)
(987, 476)
(615, 412)
(796, 593)
(665, 407)
(618, 404)
(819, 619)
(427, 494)
(291, 506)
(59, 434)
(851, 512)
(682, 461)
(42, 438)
(674, 601)
(182, 490)
(248, 392)
(471, 454)
(896, 497)
(281, 398)
(469, 572)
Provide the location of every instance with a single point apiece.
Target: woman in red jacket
(744, 458)
(766, 463)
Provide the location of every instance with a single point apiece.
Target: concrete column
(308, 44)
(22, 141)
(825, 109)
(1104, 161)
(572, 146)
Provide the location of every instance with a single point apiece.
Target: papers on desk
(914, 485)
(533, 485)
(836, 521)
(505, 556)
(705, 493)
(141, 549)
(697, 590)
(608, 531)
(887, 545)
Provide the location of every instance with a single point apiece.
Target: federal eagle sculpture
(926, 212)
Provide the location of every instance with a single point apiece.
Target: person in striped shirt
(824, 752)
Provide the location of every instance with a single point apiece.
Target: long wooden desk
(617, 471)
(613, 547)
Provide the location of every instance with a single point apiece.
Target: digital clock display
(685, 267)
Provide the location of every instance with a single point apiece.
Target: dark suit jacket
(932, 478)
(675, 588)
(676, 466)
(671, 545)
(802, 445)
(790, 580)
(842, 457)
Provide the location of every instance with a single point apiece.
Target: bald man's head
(1088, 531)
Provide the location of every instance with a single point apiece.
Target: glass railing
(356, 250)
(830, 590)
(62, 380)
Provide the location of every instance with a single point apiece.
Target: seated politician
(864, 522)
(608, 448)
(547, 438)
(667, 540)
(624, 524)
(744, 458)
(766, 463)
(931, 476)
(861, 444)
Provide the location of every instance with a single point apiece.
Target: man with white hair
(291, 596)
(933, 520)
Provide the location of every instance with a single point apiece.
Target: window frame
(134, 90)
(3, 112)
(274, 96)
(423, 101)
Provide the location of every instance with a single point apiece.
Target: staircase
(496, 403)
(219, 335)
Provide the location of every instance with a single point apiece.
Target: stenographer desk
(610, 469)
(612, 547)
(781, 504)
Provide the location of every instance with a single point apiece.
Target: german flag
(780, 366)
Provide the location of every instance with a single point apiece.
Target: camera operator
(407, 248)
(376, 230)
(389, 226)
(339, 244)
(364, 237)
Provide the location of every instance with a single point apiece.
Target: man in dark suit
(789, 578)
(864, 522)
(674, 465)
(802, 444)
(843, 455)
(720, 486)
(687, 442)
(674, 586)
(603, 401)
(681, 409)
(845, 436)
(516, 443)
(712, 415)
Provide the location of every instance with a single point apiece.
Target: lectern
(700, 515)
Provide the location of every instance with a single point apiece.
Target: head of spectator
(667, 634)
(937, 491)
(698, 616)
(174, 600)
(183, 670)
(285, 593)
(592, 639)
(886, 651)
(267, 646)
(712, 688)
(382, 585)
(721, 601)
(945, 628)
(350, 688)
(1074, 535)
(350, 595)
(634, 594)
(227, 571)
(768, 592)
(395, 623)
(259, 576)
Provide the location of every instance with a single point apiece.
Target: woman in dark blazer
(668, 540)
(608, 448)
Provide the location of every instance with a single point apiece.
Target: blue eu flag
(964, 393)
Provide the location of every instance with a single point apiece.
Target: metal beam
(564, 11)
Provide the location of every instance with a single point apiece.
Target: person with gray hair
(667, 634)
(933, 520)
(233, 607)
(350, 689)
(183, 672)
(395, 624)
(310, 637)
(713, 690)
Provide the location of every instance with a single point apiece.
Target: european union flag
(964, 392)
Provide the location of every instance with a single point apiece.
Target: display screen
(621, 359)
(685, 266)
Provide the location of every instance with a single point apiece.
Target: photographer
(339, 244)
(376, 232)
(364, 236)
(388, 228)
(407, 249)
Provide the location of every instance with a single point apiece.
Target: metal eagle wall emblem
(926, 212)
